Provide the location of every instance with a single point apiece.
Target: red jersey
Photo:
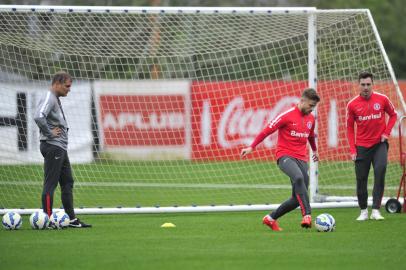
(369, 114)
(295, 129)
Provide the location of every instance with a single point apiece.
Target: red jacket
(295, 129)
(369, 114)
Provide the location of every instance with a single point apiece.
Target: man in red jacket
(295, 128)
(370, 145)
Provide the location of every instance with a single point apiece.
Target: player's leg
(297, 173)
(288, 205)
(271, 219)
(304, 197)
(285, 207)
(379, 162)
(66, 183)
(362, 167)
(53, 162)
(301, 188)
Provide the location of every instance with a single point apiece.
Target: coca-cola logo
(239, 125)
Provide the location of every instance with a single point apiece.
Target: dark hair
(311, 94)
(61, 77)
(364, 75)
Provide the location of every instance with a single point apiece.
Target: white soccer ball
(39, 220)
(325, 223)
(60, 219)
(12, 221)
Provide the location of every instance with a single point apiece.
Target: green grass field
(200, 241)
(179, 182)
(208, 241)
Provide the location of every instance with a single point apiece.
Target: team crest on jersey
(309, 125)
(377, 106)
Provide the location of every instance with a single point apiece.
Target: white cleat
(376, 215)
(364, 215)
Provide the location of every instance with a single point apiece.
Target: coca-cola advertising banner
(229, 115)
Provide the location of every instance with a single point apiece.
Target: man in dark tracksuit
(53, 127)
(370, 144)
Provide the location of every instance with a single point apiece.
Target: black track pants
(376, 155)
(57, 169)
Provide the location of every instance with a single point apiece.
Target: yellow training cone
(168, 225)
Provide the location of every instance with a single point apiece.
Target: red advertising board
(143, 120)
(228, 116)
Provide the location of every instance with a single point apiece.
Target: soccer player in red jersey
(370, 144)
(295, 127)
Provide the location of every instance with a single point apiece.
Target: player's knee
(380, 169)
(67, 189)
(298, 179)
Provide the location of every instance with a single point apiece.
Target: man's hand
(246, 151)
(384, 138)
(56, 132)
(353, 157)
(315, 156)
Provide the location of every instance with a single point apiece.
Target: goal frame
(312, 82)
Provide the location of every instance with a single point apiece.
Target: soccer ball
(39, 220)
(325, 223)
(12, 221)
(60, 219)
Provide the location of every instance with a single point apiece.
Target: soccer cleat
(271, 223)
(363, 215)
(76, 223)
(306, 221)
(376, 215)
(51, 225)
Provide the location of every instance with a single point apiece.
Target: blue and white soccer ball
(39, 220)
(12, 221)
(325, 223)
(60, 219)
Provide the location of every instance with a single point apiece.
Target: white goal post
(164, 98)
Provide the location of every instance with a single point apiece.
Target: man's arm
(390, 110)
(43, 109)
(351, 133)
(312, 142)
(268, 130)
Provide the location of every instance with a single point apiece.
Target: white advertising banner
(19, 134)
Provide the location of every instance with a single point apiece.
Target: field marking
(181, 185)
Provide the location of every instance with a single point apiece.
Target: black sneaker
(52, 226)
(76, 223)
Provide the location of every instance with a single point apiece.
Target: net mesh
(162, 103)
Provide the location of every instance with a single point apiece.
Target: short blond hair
(311, 94)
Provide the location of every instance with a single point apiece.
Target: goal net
(164, 99)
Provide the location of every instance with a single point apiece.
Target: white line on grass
(180, 185)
